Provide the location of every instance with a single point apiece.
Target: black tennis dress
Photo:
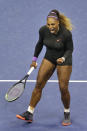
(57, 45)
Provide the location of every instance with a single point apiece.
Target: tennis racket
(18, 88)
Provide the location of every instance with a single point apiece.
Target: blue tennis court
(48, 114)
(20, 21)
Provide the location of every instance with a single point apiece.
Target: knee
(63, 87)
(39, 84)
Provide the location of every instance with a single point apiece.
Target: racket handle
(31, 69)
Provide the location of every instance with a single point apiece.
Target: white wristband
(63, 58)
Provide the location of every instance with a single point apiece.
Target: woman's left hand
(60, 60)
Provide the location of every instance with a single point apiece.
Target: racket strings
(15, 91)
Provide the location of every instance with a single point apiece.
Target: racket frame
(23, 80)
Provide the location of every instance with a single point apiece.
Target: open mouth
(52, 30)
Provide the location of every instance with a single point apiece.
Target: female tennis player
(57, 37)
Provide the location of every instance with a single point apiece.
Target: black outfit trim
(57, 45)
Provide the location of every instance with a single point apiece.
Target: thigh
(64, 73)
(46, 70)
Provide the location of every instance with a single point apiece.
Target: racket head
(15, 91)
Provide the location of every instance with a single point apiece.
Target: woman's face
(53, 25)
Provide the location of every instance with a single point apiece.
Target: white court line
(55, 81)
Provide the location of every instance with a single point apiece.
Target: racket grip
(31, 69)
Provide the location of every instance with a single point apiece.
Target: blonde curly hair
(63, 20)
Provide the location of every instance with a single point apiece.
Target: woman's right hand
(34, 64)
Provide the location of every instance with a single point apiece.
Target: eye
(53, 24)
(48, 24)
